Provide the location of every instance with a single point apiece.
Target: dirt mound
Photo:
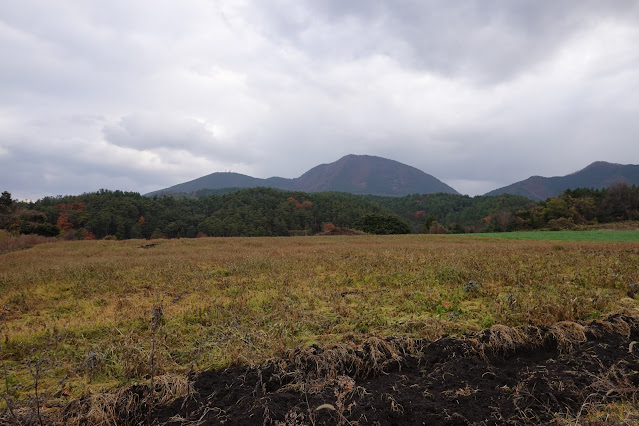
(502, 375)
(498, 376)
(341, 231)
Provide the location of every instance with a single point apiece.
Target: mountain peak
(356, 174)
(368, 174)
(603, 164)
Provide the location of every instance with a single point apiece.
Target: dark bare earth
(525, 375)
(502, 375)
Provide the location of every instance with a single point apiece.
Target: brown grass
(369, 358)
(9, 242)
(250, 299)
(567, 334)
(613, 399)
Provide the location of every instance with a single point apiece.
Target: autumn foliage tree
(83, 234)
(64, 223)
(328, 227)
(294, 201)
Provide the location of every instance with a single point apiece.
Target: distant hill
(355, 174)
(598, 175)
(221, 180)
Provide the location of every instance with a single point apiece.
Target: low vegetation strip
(594, 235)
(10, 242)
(82, 318)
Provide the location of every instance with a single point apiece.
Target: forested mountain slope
(354, 174)
(597, 175)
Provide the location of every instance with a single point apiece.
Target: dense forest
(271, 212)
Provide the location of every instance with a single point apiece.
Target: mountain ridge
(598, 175)
(355, 174)
(372, 175)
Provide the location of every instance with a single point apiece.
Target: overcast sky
(141, 95)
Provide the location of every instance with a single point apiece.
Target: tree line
(246, 212)
(271, 212)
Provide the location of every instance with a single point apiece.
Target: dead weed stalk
(8, 399)
(156, 319)
(35, 367)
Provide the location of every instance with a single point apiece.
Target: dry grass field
(85, 317)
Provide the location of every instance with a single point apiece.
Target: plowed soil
(524, 375)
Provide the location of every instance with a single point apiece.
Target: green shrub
(382, 224)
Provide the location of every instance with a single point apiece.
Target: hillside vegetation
(598, 175)
(270, 212)
(245, 212)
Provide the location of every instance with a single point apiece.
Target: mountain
(220, 180)
(599, 174)
(355, 174)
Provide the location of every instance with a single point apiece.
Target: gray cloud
(139, 96)
(149, 132)
(481, 41)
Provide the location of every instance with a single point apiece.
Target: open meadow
(85, 319)
(586, 235)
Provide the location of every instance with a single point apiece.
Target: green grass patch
(595, 235)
